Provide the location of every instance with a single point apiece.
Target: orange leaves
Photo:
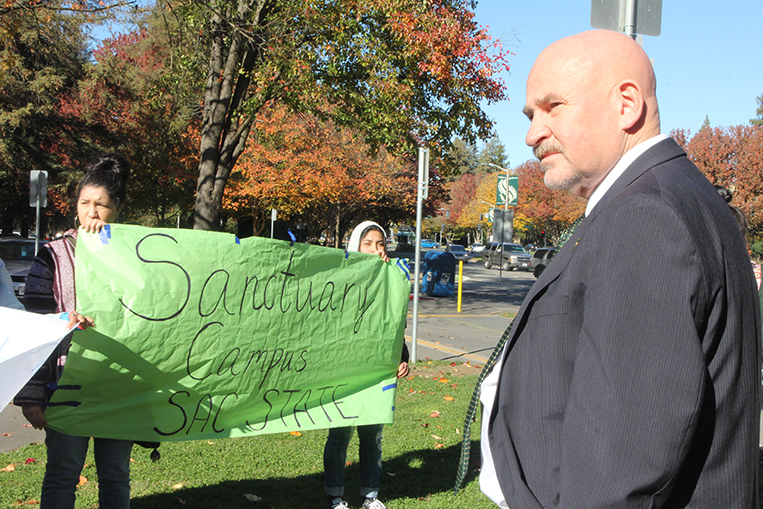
(295, 433)
(9, 468)
(302, 165)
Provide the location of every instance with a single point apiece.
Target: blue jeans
(335, 457)
(66, 458)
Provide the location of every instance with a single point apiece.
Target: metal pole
(423, 153)
(630, 18)
(460, 281)
(37, 223)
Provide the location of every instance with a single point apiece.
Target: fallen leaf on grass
(348, 463)
(177, 486)
(28, 502)
(425, 424)
(438, 445)
(29, 460)
(7, 434)
(9, 468)
(458, 432)
(452, 363)
(425, 499)
(434, 413)
(444, 380)
(252, 498)
(210, 442)
(295, 433)
(448, 398)
(436, 437)
(27, 425)
(82, 480)
(132, 460)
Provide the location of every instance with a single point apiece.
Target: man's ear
(631, 108)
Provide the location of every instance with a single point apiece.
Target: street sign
(634, 16)
(502, 189)
(503, 226)
(38, 187)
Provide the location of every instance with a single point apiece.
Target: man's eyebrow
(549, 98)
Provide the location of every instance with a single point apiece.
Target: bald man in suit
(631, 376)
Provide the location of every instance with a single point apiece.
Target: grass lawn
(421, 453)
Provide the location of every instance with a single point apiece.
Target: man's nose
(538, 132)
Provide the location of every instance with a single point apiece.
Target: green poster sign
(506, 186)
(202, 335)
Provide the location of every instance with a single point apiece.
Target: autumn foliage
(314, 172)
(733, 158)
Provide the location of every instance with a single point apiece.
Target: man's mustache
(546, 147)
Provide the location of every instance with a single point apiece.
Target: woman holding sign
(367, 237)
(50, 288)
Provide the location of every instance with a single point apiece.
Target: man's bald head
(591, 98)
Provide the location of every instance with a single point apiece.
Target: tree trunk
(225, 129)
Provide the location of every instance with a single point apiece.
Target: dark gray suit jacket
(632, 376)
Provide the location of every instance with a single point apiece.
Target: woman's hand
(93, 224)
(81, 322)
(402, 370)
(34, 415)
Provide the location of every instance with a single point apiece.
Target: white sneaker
(338, 503)
(373, 503)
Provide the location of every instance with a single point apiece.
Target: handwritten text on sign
(200, 335)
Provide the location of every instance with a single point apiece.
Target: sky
(707, 58)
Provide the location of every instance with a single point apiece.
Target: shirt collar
(620, 168)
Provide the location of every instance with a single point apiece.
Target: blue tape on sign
(388, 387)
(404, 267)
(346, 255)
(54, 387)
(105, 234)
(291, 235)
(75, 404)
(238, 241)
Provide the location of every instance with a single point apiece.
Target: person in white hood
(367, 237)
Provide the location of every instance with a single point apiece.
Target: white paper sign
(26, 341)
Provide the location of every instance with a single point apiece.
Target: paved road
(488, 302)
(490, 298)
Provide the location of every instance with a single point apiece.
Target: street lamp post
(505, 207)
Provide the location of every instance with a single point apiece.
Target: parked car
(541, 259)
(18, 254)
(428, 243)
(458, 251)
(507, 256)
(477, 248)
(531, 248)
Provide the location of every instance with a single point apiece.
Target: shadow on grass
(413, 475)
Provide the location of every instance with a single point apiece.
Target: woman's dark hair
(741, 219)
(109, 171)
(725, 193)
(368, 229)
